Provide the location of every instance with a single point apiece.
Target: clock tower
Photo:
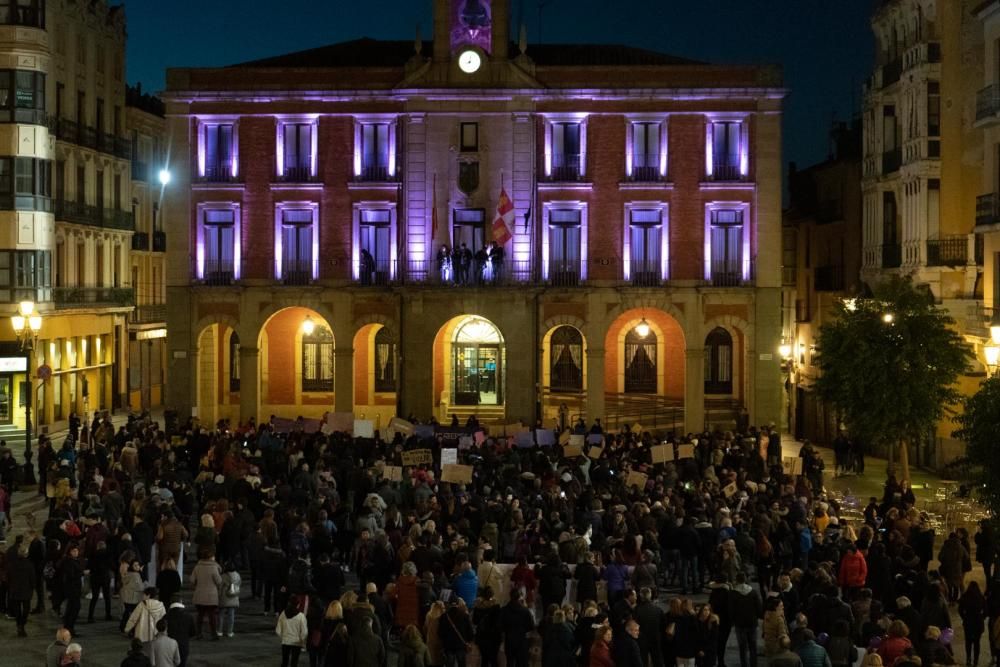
(465, 27)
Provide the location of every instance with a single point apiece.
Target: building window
(317, 360)
(296, 251)
(375, 246)
(647, 151)
(22, 96)
(234, 362)
(566, 360)
(376, 154)
(30, 13)
(297, 151)
(726, 252)
(719, 362)
(219, 245)
(646, 253)
(566, 151)
(640, 363)
(565, 246)
(25, 275)
(469, 140)
(25, 184)
(726, 150)
(933, 109)
(385, 361)
(219, 152)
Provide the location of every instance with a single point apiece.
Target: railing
(922, 54)
(77, 213)
(987, 209)
(645, 274)
(565, 275)
(829, 278)
(988, 102)
(148, 312)
(159, 242)
(140, 241)
(222, 173)
(377, 273)
(892, 255)
(67, 130)
(653, 412)
(219, 273)
(646, 174)
(122, 148)
(731, 273)
(116, 219)
(569, 170)
(140, 171)
(891, 160)
(486, 275)
(723, 171)
(71, 297)
(951, 251)
(978, 318)
(298, 272)
(105, 142)
(28, 15)
(375, 174)
(297, 175)
(891, 72)
(86, 136)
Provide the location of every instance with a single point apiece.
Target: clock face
(469, 61)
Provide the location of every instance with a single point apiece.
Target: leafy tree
(979, 426)
(889, 364)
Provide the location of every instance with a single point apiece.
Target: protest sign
(595, 452)
(397, 425)
(685, 451)
(636, 478)
(595, 439)
(564, 437)
(544, 437)
(456, 474)
(578, 440)
(393, 473)
(729, 489)
(340, 421)
(465, 442)
(423, 431)
(364, 428)
(572, 451)
(792, 465)
(416, 457)
(449, 456)
(662, 453)
(524, 439)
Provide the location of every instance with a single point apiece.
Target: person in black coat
(455, 629)
(718, 600)
(558, 642)
(515, 623)
(625, 647)
(652, 624)
(169, 582)
(552, 581)
(586, 575)
(20, 586)
(70, 574)
(181, 628)
(101, 566)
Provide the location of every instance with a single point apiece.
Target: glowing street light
(308, 326)
(165, 177)
(642, 329)
(992, 354)
(888, 318)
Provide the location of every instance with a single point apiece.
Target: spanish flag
(504, 219)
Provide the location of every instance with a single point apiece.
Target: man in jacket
(785, 657)
(163, 651)
(516, 622)
(651, 626)
(181, 628)
(365, 648)
(811, 653)
(552, 579)
(625, 646)
(745, 610)
(70, 573)
(467, 584)
(456, 633)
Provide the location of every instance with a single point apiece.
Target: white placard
(449, 456)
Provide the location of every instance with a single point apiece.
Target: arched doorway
(477, 363)
(297, 364)
(718, 362)
(640, 360)
(385, 361)
(566, 360)
(217, 380)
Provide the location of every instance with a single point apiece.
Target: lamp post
(786, 351)
(991, 352)
(27, 324)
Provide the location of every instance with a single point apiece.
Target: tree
(979, 425)
(889, 364)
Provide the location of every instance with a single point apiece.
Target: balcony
(116, 219)
(219, 273)
(891, 72)
(29, 14)
(159, 241)
(76, 297)
(122, 148)
(77, 213)
(988, 103)
(724, 171)
(222, 173)
(892, 255)
(951, 251)
(375, 174)
(148, 313)
(924, 53)
(731, 273)
(378, 273)
(829, 278)
(297, 175)
(646, 273)
(67, 130)
(645, 175)
(86, 136)
(891, 161)
(140, 171)
(566, 169)
(487, 275)
(140, 241)
(297, 272)
(987, 210)
(565, 275)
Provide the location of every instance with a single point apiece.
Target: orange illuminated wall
(672, 361)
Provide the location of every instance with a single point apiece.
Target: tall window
(25, 275)
(469, 136)
(22, 96)
(25, 184)
(220, 241)
(29, 13)
(317, 360)
(564, 247)
(234, 362)
(646, 151)
(375, 241)
(933, 109)
(385, 361)
(719, 362)
(297, 151)
(566, 360)
(296, 245)
(640, 363)
(726, 138)
(566, 153)
(219, 160)
(726, 247)
(645, 246)
(375, 152)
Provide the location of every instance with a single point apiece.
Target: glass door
(6, 400)
(466, 379)
(489, 375)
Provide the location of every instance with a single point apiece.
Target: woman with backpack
(229, 599)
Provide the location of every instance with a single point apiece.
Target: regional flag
(504, 219)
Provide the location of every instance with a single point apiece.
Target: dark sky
(825, 47)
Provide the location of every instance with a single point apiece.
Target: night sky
(825, 47)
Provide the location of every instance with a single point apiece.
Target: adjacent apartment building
(322, 200)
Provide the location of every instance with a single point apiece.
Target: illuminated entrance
(477, 363)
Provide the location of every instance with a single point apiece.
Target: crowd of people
(594, 556)
(463, 266)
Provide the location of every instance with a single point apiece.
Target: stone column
(595, 383)
(343, 375)
(694, 390)
(249, 383)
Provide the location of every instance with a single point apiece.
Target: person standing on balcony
(444, 264)
(367, 267)
(496, 260)
(464, 262)
(482, 257)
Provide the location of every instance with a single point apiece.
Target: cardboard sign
(544, 437)
(456, 474)
(423, 431)
(730, 489)
(662, 453)
(685, 452)
(397, 425)
(572, 451)
(578, 440)
(416, 457)
(792, 465)
(595, 439)
(342, 422)
(564, 437)
(751, 486)
(524, 439)
(364, 428)
(449, 457)
(393, 473)
(636, 478)
(595, 452)
(637, 428)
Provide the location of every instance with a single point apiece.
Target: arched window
(566, 360)
(719, 362)
(640, 363)
(385, 361)
(234, 362)
(317, 360)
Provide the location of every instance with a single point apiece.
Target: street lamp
(785, 350)
(992, 354)
(888, 318)
(308, 326)
(27, 324)
(642, 329)
(165, 176)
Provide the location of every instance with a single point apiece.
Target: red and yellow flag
(504, 220)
